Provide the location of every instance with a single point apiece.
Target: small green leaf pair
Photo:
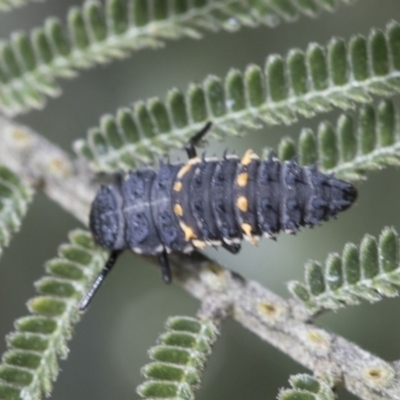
(366, 273)
(178, 360)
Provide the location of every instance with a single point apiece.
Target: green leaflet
(369, 141)
(369, 272)
(306, 387)
(30, 364)
(14, 198)
(97, 33)
(306, 83)
(178, 359)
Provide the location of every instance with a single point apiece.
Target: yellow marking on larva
(242, 179)
(178, 210)
(248, 157)
(194, 161)
(199, 244)
(184, 170)
(246, 228)
(242, 204)
(178, 186)
(188, 231)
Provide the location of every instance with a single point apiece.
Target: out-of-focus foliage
(14, 198)
(30, 365)
(366, 273)
(304, 83)
(356, 145)
(98, 33)
(7, 5)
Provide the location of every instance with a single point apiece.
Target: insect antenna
(99, 280)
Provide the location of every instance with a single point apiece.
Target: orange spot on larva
(183, 170)
(242, 179)
(178, 186)
(178, 210)
(248, 157)
(188, 231)
(246, 228)
(242, 204)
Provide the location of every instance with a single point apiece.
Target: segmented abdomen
(228, 199)
(210, 201)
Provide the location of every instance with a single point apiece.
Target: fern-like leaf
(306, 387)
(30, 364)
(356, 145)
(178, 359)
(342, 74)
(370, 273)
(7, 5)
(98, 33)
(14, 198)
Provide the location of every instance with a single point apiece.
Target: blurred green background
(110, 344)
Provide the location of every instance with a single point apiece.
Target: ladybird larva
(209, 201)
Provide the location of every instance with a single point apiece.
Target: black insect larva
(210, 201)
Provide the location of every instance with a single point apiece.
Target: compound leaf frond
(97, 33)
(29, 366)
(178, 359)
(369, 272)
(15, 196)
(371, 141)
(305, 83)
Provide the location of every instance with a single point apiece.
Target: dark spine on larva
(222, 193)
(201, 204)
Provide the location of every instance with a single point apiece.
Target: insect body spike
(232, 248)
(271, 155)
(165, 268)
(99, 280)
(118, 176)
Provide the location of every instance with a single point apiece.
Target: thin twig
(67, 182)
(282, 323)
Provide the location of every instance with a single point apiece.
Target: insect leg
(190, 145)
(99, 280)
(232, 248)
(164, 265)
